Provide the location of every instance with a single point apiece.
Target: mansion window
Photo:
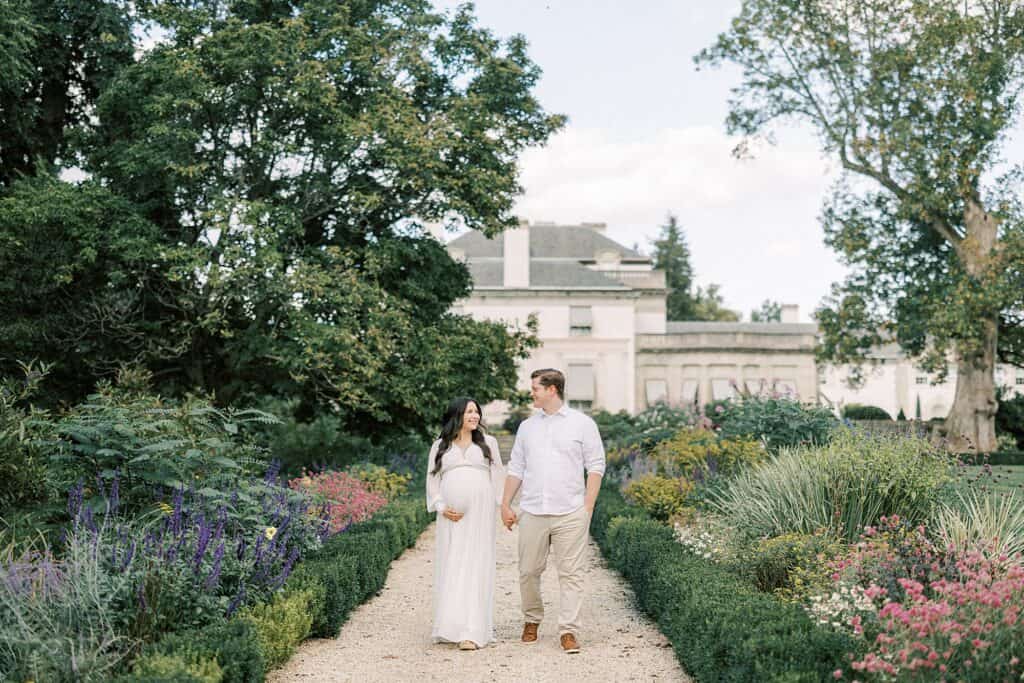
(1020, 380)
(656, 391)
(579, 386)
(922, 380)
(581, 321)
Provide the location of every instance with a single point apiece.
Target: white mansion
(601, 313)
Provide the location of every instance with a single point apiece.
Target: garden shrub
(842, 486)
(24, 477)
(165, 668)
(233, 644)
(791, 565)
(722, 629)
(777, 422)
(1010, 416)
(661, 497)
(379, 480)
(856, 411)
(700, 453)
(280, 625)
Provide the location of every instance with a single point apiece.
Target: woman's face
(471, 418)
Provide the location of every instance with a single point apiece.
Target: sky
(646, 137)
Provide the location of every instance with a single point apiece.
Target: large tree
(56, 56)
(284, 154)
(914, 99)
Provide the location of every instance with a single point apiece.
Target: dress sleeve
(434, 501)
(497, 472)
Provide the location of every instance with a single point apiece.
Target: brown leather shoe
(569, 644)
(530, 632)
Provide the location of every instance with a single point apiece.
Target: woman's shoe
(467, 645)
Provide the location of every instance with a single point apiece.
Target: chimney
(790, 313)
(516, 256)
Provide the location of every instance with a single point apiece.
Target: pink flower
(837, 674)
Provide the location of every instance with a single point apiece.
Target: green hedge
(721, 627)
(347, 570)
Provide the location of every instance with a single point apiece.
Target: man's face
(542, 396)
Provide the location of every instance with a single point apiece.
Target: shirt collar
(563, 411)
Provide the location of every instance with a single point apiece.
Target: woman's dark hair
(451, 425)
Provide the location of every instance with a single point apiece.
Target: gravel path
(388, 637)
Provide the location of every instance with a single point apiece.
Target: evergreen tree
(672, 254)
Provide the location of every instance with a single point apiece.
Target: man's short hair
(549, 377)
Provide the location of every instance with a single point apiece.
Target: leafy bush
(280, 625)
(24, 478)
(661, 497)
(721, 628)
(153, 443)
(777, 422)
(791, 565)
(843, 486)
(321, 443)
(233, 645)
(855, 411)
(165, 668)
(1010, 417)
(699, 454)
(379, 480)
(644, 430)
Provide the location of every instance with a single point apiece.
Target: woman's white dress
(464, 560)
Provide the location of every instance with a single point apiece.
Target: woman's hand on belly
(452, 515)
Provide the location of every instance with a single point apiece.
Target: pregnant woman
(465, 481)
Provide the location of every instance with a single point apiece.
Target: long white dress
(464, 560)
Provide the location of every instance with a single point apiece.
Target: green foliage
(24, 480)
(1010, 418)
(661, 497)
(278, 260)
(840, 487)
(709, 305)
(153, 442)
(721, 628)
(233, 645)
(777, 422)
(55, 57)
(174, 668)
(644, 430)
(280, 625)
(672, 254)
(791, 565)
(379, 480)
(855, 411)
(933, 241)
(769, 312)
(701, 453)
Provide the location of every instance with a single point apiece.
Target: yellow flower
(165, 508)
(270, 532)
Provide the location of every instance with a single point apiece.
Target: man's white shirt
(550, 455)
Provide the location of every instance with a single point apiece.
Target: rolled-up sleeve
(434, 501)
(593, 449)
(497, 472)
(517, 458)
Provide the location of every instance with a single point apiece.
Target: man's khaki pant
(566, 536)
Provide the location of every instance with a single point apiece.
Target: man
(551, 451)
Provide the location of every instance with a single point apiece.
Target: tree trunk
(971, 423)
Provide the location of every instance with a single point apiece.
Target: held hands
(508, 517)
(452, 515)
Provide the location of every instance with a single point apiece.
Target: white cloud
(751, 224)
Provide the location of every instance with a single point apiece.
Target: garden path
(388, 637)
